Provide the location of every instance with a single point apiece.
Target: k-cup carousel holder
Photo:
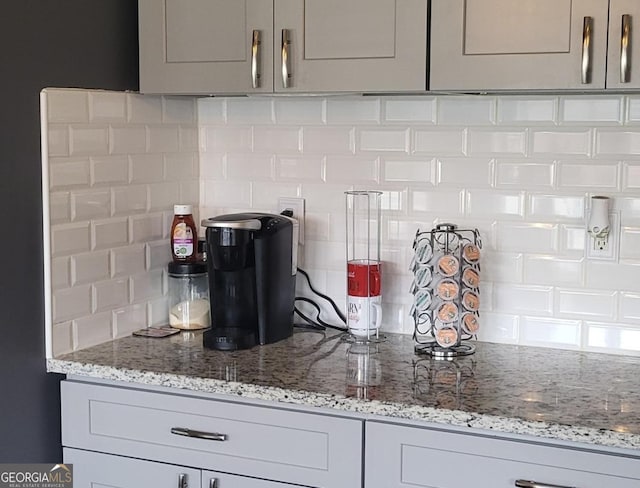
(446, 290)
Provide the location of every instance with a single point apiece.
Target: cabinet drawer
(401, 456)
(269, 443)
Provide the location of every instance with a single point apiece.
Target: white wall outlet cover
(605, 248)
(297, 206)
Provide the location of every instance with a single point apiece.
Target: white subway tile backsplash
(127, 139)
(88, 205)
(162, 196)
(502, 267)
(410, 110)
(62, 338)
(109, 170)
(146, 168)
(498, 142)
(180, 166)
(227, 194)
(69, 173)
(591, 304)
(190, 192)
(591, 110)
(527, 110)
(58, 140)
(551, 270)
(163, 138)
(555, 207)
(383, 140)
(143, 109)
(352, 170)
(60, 273)
(89, 267)
(111, 294)
(109, 233)
(294, 168)
(93, 329)
(524, 175)
(630, 243)
(590, 176)
(624, 143)
(439, 141)
(265, 198)
(147, 286)
(158, 312)
(250, 111)
(243, 167)
(107, 107)
(563, 142)
(128, 260)
(67, 105)
(88, 140)
(128, 319)
(524, 237)
(60, 207)
(527, 299)
(629, 307)
(181, 110)
(536, 331)
(158, 254)
(484, 204)
(466, 110)
(283, 140)
(324, 197)
(499, 327)
(629, 208)
(73, 302)
(611, 337)
(466, 172)
(328, 140)
(145, 228)
(130, 199)
(302, 111)
(630, 176)
(70, 239)
(188, 138)
(572, 239)
(604, 275)
(408, 170)
(441, 202)
(353, 110)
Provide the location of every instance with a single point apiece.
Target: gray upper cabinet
(283, 46)
(533, 44)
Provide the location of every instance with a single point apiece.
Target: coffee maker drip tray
(229, 338)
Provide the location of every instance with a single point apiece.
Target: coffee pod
(447, 336)
(447, 289)
(471, 253)
(422, 299)
(448, 265)
(447, 312)
(470, 323)
(470, 277)
(424, 251)
(470, 301)
(423, 276)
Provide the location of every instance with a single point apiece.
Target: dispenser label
(182, 240)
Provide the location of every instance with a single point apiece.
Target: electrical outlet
(296, 205)
(605, 248)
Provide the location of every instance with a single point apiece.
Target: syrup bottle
(184, 235)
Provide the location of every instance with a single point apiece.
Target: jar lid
(199, 267)
(182, 209)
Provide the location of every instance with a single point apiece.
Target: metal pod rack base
(445, 287)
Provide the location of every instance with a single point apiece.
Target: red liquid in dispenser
(363, 278)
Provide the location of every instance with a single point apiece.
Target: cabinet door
(205, 46)
(623, 59)
(415, 457)
(212, 479)
(359, 45)
(512, 45)
(96, 470)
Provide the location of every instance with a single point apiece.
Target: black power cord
(318, 323)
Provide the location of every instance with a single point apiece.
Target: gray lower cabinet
(402, 456)
(97, 470)
(534, 44)
(282, 46)
(271, 444)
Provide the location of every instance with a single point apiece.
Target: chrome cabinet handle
(213, 483)
(625, 45)
(587, 28)
(533, 484)
(182, 481)
(286, 61)
(255, 59)
(198, 434)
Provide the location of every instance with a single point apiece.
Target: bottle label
(182, 240)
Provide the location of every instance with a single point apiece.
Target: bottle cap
(182, 209)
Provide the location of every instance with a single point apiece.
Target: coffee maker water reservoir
(252, 263)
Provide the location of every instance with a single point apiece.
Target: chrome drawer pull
(587, 29)
(213, 483)
(286, 61)
(534, 484)
(198, 434)
(625, 39)
(182, 481)
(255, 59)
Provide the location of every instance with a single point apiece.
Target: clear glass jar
(189, 306)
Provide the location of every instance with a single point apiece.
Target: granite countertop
(555, 394)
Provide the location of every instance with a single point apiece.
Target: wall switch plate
(296, 205)
(605, 249)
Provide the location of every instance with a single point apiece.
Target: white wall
(519, 168)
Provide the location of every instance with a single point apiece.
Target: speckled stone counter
(555, 394)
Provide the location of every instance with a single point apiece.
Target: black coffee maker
(252, 263)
